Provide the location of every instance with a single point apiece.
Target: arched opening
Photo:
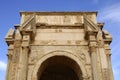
(59, 68)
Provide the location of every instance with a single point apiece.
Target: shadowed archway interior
(59, 68)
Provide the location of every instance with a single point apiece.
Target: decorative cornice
(58, 13)
(10, 37)
(69, 26)
(107, 37)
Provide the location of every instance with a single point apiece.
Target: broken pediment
(10, 36)
(29, 23)
(107, 37)
(18, 35)
(90, 25)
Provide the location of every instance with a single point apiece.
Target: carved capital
(92, 44)
(26, 40)
(9, 55)
(10, 51)
(25, 44)
(107, 47)
(92, 38)
(92, 49)
(26, 37)
(100, 43)
(17, 44)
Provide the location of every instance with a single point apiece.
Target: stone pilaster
(16, 56)
(107, 41)
(24, 62)
(108, 54)
(93, 53)
(9, 65)
(24, 57)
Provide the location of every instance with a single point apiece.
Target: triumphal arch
(58, 46)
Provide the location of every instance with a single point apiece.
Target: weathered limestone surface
(55, 45)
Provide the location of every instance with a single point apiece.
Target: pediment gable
(29, 23)
(90, 25)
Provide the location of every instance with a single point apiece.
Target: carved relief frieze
(61, 19)
(60, 42)
(83, 53)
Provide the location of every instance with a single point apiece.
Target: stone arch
(59, 53)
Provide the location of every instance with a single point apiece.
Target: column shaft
(9, 66)
(24, 63)
(94, 63)
(110, 66)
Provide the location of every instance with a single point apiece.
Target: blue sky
(108, 12)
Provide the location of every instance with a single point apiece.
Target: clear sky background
(108, 12)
